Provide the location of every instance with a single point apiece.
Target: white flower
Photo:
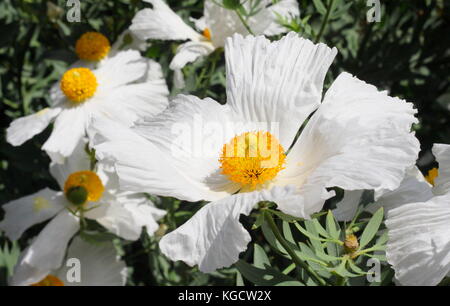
(358, 138)
(419, 233)
(93, 195)
(99, 265)
(218, 23)
(119, 89)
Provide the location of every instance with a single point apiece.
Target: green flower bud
(77, 195)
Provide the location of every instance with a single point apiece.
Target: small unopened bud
(161, 230)
(77, 195)
(351, 244)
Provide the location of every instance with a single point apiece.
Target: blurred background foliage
(407, 53)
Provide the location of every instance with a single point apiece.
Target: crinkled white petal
(23, 129)
(100, 265)
(358, 139)
(160, 22)
(25, 212)
(68, 130)
(189, 52)
(442, 182)
(174, 154)
(279, 83)
(123, 68)
(213, 238)
(49, 248)
(286, 9)
(419, 241)
(154, 72)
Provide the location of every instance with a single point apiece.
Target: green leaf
(260, 258)
(372, 228)
(262, 277)
(320, 7)
(331, 226)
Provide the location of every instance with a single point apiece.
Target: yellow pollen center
(87, 179)
(48, 281)
(92, 46)
(79, 84)
(252, 159)
(432, 175)
(207, 34)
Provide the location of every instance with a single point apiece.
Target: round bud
(231, 4)
(77, 195)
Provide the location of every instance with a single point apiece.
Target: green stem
(244, 23)
(325, 20)
(298, 262)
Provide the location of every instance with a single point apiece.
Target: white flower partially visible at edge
(119, 89)
(122, 213)
(418, 247)
(358, 138)
(99, 265)
(218, 23)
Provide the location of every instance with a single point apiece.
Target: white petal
(177, 157)
(279, 83)
(161, 22)
(359, 138)
(25, 128)
(154, 72)
(116, 219)
(411, 190)
(68, 130)
(213, 238)
(77, 161)
(419, 241)
(26, 275)
(100, 265)
(442, 182)
(48, 250)
(129, 103)
(287, 9)
(189, 52)
(25, 212)
(123, 68)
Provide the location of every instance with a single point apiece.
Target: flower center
(207, 34)
(92, 46)
(432, 175)
(84, 186)
(79, 84)
(252, 159)
(48, 281)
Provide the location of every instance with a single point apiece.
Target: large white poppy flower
(93, 195)
(358, 138)
(112, 90)
(218, 23)
(419, 233)
(99, 265)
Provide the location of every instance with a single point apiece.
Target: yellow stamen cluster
(89, 181)
(48, 281)
(79, 84)
(432, 175)
(92, 46)
(207, 34)
(252, 159)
